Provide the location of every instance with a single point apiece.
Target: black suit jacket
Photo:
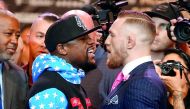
(15, 86)
(143, 90)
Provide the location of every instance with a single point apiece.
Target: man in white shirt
(128, 45)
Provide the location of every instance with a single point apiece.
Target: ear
(62, 49)
(131, 42)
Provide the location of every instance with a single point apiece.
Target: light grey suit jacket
(15, 86)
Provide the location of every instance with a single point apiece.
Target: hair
(181, 54)
(49, 17)
(26, 26)
(5, 12)
(145, 23)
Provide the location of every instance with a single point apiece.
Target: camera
(104, 12)
(108, 12)
(107, 6)
(182, 31)
(182, 28)
(168, 67)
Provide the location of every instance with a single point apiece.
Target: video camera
(110, 7)
(182, 28)
(108, 12)
(104, 12)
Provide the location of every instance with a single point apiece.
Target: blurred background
(27, 10)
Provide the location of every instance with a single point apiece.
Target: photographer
(162, 14)
(184, 46)
(177, 85)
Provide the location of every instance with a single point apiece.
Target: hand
(173, 83)
(157, 68)
(173, 22)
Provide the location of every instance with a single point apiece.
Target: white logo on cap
(79, 23)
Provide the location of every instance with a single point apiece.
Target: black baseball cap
(165, 11)
(65, 30)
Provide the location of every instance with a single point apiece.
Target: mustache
(12, 46)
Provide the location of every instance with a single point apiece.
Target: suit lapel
(7, 86)
(120, 85)
(112, 93)
(135, 72)
(132, 74)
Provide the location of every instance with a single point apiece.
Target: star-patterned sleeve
(48, 99)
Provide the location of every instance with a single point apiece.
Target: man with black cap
(57, 76)
(161, 15)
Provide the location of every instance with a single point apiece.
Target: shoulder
(49, 98)
(146, 74)
(147, 78)
(144, 82)
(146, 87)
(145, 92)
(15, 71)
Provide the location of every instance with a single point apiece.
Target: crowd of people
(58, 62)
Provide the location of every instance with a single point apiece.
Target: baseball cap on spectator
(165, 11)
(65, 30)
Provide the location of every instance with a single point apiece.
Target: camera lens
(170, 72)
(167, 68)
(182, 31)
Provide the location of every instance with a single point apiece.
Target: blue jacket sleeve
(49, 99)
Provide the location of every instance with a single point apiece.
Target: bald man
(37, 37)
(13, 81)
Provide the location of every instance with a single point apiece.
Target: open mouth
(107, 49)
(12, 50)
(90, 50)
(44, 51)
(91, 54)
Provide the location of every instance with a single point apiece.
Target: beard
(4, 57)
(87, 64)
(88, 67)
(114, 61)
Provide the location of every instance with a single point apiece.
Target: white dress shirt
(133, 64)
(1, 84)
